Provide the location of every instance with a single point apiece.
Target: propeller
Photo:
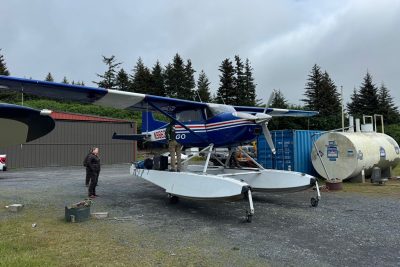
(264, 125)
(262, 119)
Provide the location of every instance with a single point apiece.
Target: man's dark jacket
(93, 164)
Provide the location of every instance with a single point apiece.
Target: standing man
(85, 164)
(93, 163)
(174, 147)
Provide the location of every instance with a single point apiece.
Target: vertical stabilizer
(150, 124)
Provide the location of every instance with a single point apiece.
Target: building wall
(69, 143)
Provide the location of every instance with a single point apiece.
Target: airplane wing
(123, 99)
(277, 112)
(19, 125)
(98, 96)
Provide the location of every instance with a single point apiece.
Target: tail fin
(149, 123)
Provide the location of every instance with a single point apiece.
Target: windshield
(216, 109)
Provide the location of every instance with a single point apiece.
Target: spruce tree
(312, 88)
(387, 108)
(3, 68)
(157, 80)
(176, 78)
(141, 78)
(189, 82)
(354, 106)
(322, 96)
(122, 80)
(226, 90)
(328, 102)
(109, 77)
(279, 100)
(368, 96)
(239, 83)
(249, 86)
(49, 78)
(65, 80)
(203, 87)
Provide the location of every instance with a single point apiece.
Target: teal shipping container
(293, 150)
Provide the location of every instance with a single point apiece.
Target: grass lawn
(107, 242)
(390, 188)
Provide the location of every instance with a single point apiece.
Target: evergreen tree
(65, 80)
(141, 78)
(109, 77)
(226, 90)
(176, 78)
(279, 123)
(354, 106)
(203, 87)
(249, 86)
(122, 80)
(157, 80)
(368, 96)
(312, 89)
(189, 83)
(49, 78)
(329, 102)
(322, 96)
(279, 100)
(3, 68)
(239, 83)
(387, 108)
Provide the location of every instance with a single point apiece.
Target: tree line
(322, 95)
(237, 87)
(177, 80)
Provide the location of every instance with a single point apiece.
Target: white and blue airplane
(198, 124)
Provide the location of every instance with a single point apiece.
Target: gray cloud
(282, 39)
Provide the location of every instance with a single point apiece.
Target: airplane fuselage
(223, 130)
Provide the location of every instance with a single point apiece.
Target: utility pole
(341, 92)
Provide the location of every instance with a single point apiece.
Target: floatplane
(197, 124)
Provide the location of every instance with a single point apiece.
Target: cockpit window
(216, 109)
(189, 115)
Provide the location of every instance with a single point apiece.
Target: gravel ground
(346, 229)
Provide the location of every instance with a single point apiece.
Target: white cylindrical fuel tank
(346, 154)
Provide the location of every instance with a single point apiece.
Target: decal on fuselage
(159, 135)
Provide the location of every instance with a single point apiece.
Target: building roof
(56, 115)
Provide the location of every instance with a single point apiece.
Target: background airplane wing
(98, 96)
(19, 125)
(277, 112)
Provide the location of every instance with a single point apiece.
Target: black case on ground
(160, 163)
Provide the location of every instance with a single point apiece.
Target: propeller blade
(268, 137)
(271, 97)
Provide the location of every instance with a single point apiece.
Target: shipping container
(293, 150)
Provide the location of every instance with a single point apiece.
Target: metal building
(70, 141)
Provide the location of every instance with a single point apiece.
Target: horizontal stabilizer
(133, 137)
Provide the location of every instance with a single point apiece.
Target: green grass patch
(390, 188)
(54, 242)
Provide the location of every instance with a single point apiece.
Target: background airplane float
(198, 124)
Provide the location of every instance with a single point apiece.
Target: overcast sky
(282, 39)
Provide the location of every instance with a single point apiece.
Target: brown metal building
(70, 141)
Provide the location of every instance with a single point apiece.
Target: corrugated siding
(293, 151)
(303, 143)
(69, 143)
